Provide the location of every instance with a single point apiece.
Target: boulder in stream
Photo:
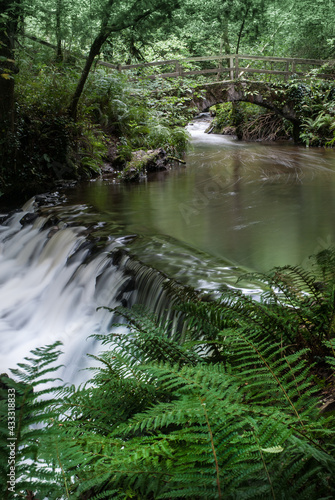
(142, 162)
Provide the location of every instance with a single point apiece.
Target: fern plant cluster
(229, 408)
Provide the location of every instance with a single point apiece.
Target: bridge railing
(227, 66)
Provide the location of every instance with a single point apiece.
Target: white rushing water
(235, 207)
(50, 291)
(197, 130)
(52, 287)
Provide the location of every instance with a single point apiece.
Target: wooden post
(219, 70)
(179, 69)
(293, 66)
(231, 68)
(287, 69)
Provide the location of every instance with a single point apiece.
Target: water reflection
(258, 205)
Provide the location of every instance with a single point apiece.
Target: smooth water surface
(253, 205)
(233, 207)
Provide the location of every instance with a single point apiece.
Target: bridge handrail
(232, 61)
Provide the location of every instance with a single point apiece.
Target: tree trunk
(7, 67)
(94, 51)
(105, 32)
(241, 30)
(224, 41)
(59, 52)
(225, 37)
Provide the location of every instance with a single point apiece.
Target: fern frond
(231, 412)
(148, 337)
(32, 412)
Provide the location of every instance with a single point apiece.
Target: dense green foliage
(60, 117)
(48, 145)
(228, 408)
(249, 122)
(314, 105)
(67, 118)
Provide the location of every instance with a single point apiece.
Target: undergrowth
(249, 122)
(139, 114)
(47, 146)
(314, 106)
(230, 409)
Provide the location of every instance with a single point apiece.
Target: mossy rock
(142, 162)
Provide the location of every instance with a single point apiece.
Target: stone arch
(266, 95)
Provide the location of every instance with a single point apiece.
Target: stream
(233, 208)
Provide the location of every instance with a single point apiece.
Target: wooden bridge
(265, 92)
(268, 95)
(227, 66)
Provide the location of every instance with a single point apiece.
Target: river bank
(235, 207)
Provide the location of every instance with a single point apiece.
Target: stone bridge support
(266, 95)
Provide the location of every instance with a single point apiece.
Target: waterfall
(60, 263)
(53, 279)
